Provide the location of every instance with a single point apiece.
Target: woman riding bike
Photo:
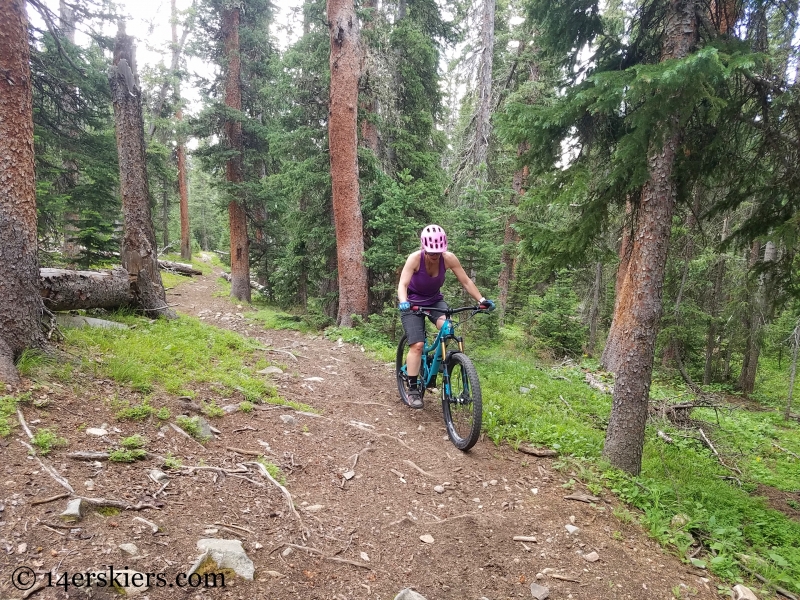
(420, 284)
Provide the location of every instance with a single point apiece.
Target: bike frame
(431, 366)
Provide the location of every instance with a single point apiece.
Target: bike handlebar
(448, 311)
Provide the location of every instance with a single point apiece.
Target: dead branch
(598, 385)
(283, 490)
(244, 452)
(239, 469)
(785, 450)
(714, 450)
(120, 504)
(23, 424)
(245, 529)
(541, 452)
(665, 437)
(765, 581)
(281, 352)
(355, 457)
(50, 499)
(327, 557)
(363, 427)
(48, 469)
(411, 464)
(153, 527)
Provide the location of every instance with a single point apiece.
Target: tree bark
(714, 304)
(795, 343)
(75, 290)
(508, 258)
(369, 105)
(345, 65)
(485, 84)
(139, 253)
(610, 358)
(594, 311)
(237, 217)
(640, 300)
(755, 319)
(20, 303)
(183, 188)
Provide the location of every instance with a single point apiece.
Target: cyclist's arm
(452, 263)
(405, 276)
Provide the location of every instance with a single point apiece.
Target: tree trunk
(508, 258)
(139, 253)
(610, 357)
(75, 290)
(640, 300)
(485, 85)
(755, 319)
(69, 180)
(369, 105)
(240, 245)
(345, 65)
(20, 302)
(165, 216)
(594, 312)
(751, 323)
(183, 188)
(795, 343)
(714, 304)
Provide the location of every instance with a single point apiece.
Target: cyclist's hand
(487, 304)
(403, 306)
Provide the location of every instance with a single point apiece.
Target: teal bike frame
(434, 353)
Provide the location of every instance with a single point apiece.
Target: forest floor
(363, 473)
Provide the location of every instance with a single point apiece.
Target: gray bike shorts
(414, 325)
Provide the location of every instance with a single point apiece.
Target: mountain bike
(462, 405)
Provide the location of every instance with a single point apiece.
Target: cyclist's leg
(437, 316)
(414, 326)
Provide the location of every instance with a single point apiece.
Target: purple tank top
(424, 289)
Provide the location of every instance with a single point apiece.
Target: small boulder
(129, 549)
(572, 529)
(591, 557)
(224, 554)
(96, 431)
(288, 420)
(427, 538)
(271, 371)
(409, 594)
(539, 591)
(75, 511)
(742, 592)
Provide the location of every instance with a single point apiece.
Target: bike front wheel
(462, 404)
(400, 370)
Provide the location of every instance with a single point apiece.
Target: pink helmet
(433, 239)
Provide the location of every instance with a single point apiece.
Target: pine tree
(20, 301)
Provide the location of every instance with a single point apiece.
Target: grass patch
(32, 361)
(273, 469)
(212, 409)
(272, 318)
(137, 412)
(246, 406)
(680, 498)
(8, 411)
(133, 442)
(191, 425)
(174, 355)
(171, 280)
(46, 440)
(127, 455)
(172, 462)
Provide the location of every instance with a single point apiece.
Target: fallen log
(182, 268)
(254, 285)
(62, 289)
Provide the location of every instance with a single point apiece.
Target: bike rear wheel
(400, 371)
(462, 403)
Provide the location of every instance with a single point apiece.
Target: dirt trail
(362, 475)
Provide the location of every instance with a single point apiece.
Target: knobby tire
(463, 406)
